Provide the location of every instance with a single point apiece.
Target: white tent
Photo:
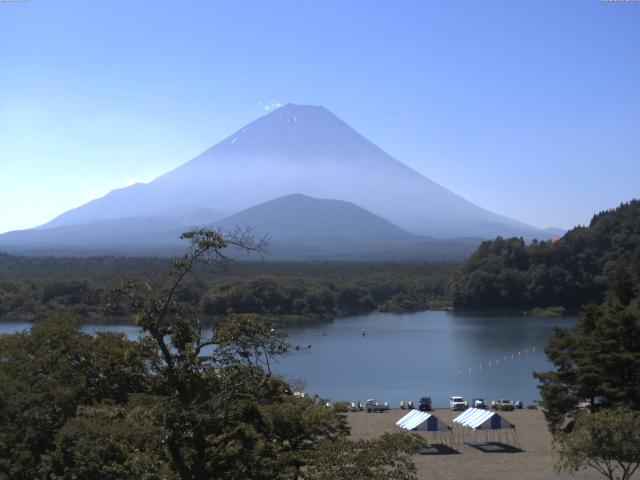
(478, 419)
(417, 421)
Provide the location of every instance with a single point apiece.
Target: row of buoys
(502, 361)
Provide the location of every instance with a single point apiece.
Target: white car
(458, 403)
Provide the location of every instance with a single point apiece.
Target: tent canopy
(479, 419)
(416, 420)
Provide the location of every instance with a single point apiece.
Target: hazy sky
(530, 109)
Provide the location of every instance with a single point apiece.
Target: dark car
(425, 404)
(479, 403)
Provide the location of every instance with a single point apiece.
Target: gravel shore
(535, 460)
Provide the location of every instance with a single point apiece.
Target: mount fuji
(295, 149)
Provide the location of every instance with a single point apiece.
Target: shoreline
(293, 320)
(534, 461)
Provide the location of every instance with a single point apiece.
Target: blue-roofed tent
(417, 421)
(478, 419)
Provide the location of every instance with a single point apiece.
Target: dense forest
(33, 287)
(568, 272)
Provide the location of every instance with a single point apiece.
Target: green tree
(608, 441)
(223, 412)
(599, 359)
(380, 459)
(46, 374)
(110, 442)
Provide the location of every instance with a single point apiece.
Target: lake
(406, 356)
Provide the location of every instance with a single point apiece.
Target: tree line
(32, 288)
(569, 272)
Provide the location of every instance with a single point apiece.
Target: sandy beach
(535, 460)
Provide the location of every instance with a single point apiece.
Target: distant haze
(298, 174)
(301, 149)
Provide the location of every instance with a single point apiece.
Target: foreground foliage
(599, 361)
(607, 441)
(385, 458)
(177, 404)
(46, 374)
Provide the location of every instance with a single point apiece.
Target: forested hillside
(568, 272)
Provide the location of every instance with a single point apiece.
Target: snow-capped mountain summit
(301, 149)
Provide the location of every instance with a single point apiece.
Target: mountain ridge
(298, 227)
(298, 214)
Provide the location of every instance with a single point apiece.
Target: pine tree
(599, 359)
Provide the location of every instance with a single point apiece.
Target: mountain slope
(299, 218)
(302, 228)
(114, 236)
(309, 150)
(298, 228)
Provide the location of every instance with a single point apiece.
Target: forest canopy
(33, 287)
(569, 272)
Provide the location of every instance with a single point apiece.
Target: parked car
(479, 403)
(458, 403)
(519, 404)
(502, 405)
(372, 406)
(425, 404)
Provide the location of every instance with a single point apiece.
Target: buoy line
(499, 362)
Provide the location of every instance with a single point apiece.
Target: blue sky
(530, 109)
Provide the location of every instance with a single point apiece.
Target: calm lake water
(406, 356)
